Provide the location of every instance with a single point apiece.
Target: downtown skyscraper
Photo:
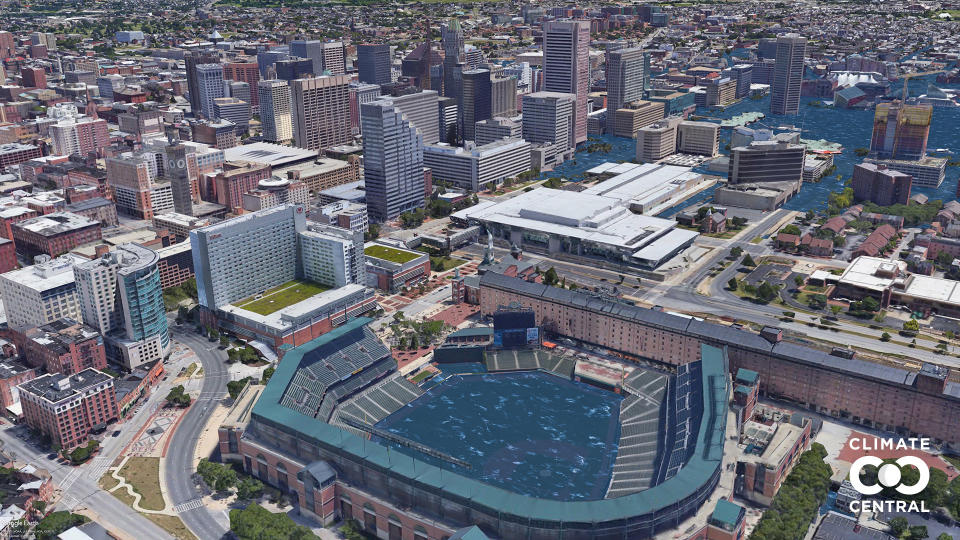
(192, 60)
(788, 74)
(454, 58)
(392, 160)
(275, 110)
(321, 111)
(373, 63)
(566, 66)
(626, 78)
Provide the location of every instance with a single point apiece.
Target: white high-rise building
(42, 293)
(566, 66)
(332, 256)
(275, 110)
(209, 87)
(788, 74)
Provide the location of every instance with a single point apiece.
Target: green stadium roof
(699, 470)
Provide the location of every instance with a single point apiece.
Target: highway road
(182, 492)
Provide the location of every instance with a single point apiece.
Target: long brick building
(882, 397)
(68, 408)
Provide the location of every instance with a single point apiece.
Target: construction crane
(907, 76)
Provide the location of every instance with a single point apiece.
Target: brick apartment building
(13, 373)
(878, 184)
(8, 256)
(54, 234)
(11, 215)
(68, 408)
(236, 179)
(64, 346)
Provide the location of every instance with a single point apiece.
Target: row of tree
(795, 506)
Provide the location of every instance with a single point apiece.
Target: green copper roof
(703, 465)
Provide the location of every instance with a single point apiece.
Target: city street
(181, 490)
(78, 485)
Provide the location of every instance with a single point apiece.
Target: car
(52, 455)
(115, 433)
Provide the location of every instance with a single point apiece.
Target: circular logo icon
(889, 475)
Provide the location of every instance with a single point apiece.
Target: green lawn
(281, 296)
(387, 253)
(442, 264)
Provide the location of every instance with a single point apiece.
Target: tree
(885, 336)
(256, 522)
(267, 373)
(791, 229)
(911, 326)
(212, 334)
(836, 309)
(798, 280)
(800, 496)
(178, 397)
(766, 292)
(217, 476)
(373, 232)
(898, 526)
(55, 523)
(735, 252)
(81, 454)
(748, 260)
(918, 532)
(550, 277)
(235, 387)
(249, 488)
(224, 341)
(944, 536)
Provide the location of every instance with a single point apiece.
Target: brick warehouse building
(54, 234)
(65, 347)
(68, 408)
(915, 402)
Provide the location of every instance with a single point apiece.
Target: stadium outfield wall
(423, 495)
(906, 402)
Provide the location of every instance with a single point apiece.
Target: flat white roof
(275, 155)
(48, 275)
(665, 245)
(862, 273)
(935, 289)
(593, 218)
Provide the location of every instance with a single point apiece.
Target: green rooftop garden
(281, 296)
(387, 253)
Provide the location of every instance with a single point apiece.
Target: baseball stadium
(523, 442)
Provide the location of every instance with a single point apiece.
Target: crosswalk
(98, 467)
(187, 506)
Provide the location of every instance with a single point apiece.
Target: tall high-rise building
(209, 86)
(33, 77)
(476, 101)
(418, 63)
(448, 119)
(421, 110)
(788, 74)
(766, 161)
(566, 66)
(334, 57)
(321, 111)
(274, 98)
(8, 45)
(392, 159)
(451, 36)
(880, 185)
(267, 59)
(311, 50)
(240, 257)
(626, 79)
(373, 63)
(247, 72)
(548, 119)
(290, 69)
(120, 295)
(503, 96)
(361, 93)
(325, 56)
(900, 131)
(176, 170)
(192, 60)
